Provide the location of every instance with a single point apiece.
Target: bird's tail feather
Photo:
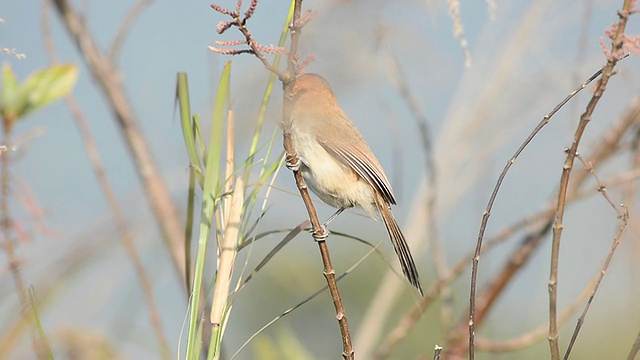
(399, 245)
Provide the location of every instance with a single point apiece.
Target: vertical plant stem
(558, 225)
(123, 229)
(108, 78)
(7, 241)
(5, 218)
(226, 262)
(100, 173)
(329, 272)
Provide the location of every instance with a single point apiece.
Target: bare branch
(487, 213)
(231, 43)
(230, 51)
(302, 65)
(306, 17)
(623, 214)
(635, 348)
(585, 118)
(108, 78)
(224, 26)
(250, 10)
(223, 11)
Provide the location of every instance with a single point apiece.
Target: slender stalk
(124, 231)
(287, 78)
(471, 324)
(558, 225)
(100, 173)
(318, 232)
(108, 78)
(7, 240)
(5, 217)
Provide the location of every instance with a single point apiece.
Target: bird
(337, 164)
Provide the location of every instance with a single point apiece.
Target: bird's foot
(292, 165)
(320, 234)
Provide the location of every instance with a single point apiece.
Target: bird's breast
(332, 181)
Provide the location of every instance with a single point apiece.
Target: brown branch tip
(304, 63)
(304, 19)
(240, 23)
(630, 43)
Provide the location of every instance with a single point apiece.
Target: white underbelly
(333, 182)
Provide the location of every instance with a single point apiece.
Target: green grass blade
(214, 150)
(198, 135)
(188, 233)
(306, 300)
(209, 199)
(182, 95)
(266, 171)
(44, 344)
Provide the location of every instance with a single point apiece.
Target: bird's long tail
(399, 245)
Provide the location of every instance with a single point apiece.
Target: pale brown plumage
(337, 164)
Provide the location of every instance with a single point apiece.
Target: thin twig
(494, 194)
(585, 118)
(108, 77)
(603, 270)
(7, 223)
(538, 333)
(602, 189)
(287, 78)
(306, 300)
(318, 231)
(605, 149)
(410, 319)
(437, 350)
(516, 261)
(635, 348)
(107, 190)
(542, 220)
(387, 294)
(7, 229)
(623, 214)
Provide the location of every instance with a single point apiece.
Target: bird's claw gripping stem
(321, 234)
(293, 166)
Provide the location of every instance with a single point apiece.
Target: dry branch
(108, 77)
(585, 118)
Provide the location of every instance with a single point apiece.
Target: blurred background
(395, 67)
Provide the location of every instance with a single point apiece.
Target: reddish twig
(287, 78)
(585, 118)
(487, 213)
(623, 214)
(256, 49)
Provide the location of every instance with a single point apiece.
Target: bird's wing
(359, 159)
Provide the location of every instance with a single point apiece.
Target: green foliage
(40, 89)
(219, 190)
(211, 192)
(43, 342)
